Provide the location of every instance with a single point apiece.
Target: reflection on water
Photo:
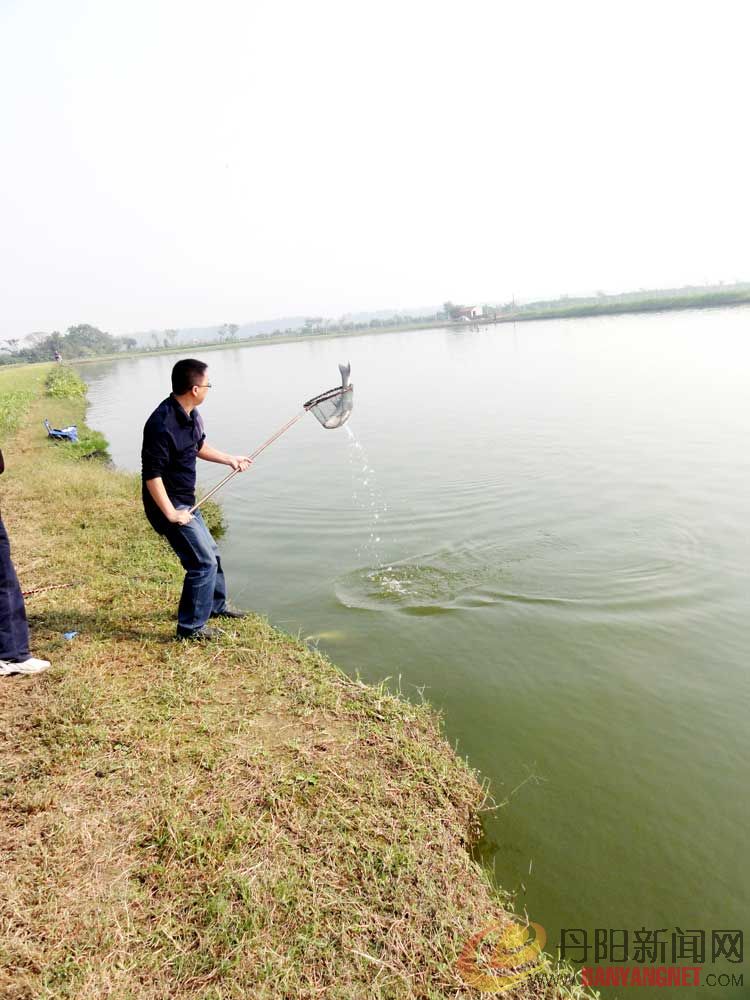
(547, 531)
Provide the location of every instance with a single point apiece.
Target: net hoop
(328, 394)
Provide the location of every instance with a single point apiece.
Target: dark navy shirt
(171, 440)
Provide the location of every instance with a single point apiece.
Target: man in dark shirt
(172, 438)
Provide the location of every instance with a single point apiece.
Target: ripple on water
(667, 574)
(414, 588)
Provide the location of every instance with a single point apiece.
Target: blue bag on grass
(61, 433)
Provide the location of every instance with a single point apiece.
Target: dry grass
(233, 820)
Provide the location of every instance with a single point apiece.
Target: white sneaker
(30, 666)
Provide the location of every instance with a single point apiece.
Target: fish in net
(334, 407)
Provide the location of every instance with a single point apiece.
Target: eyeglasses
(206, 385)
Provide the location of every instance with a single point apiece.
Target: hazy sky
(179, 163)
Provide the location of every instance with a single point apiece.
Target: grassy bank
(18, 390)
(239, 819)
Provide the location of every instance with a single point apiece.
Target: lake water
(544, 528)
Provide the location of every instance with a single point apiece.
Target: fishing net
(332, 408)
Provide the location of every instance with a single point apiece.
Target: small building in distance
(468, 313)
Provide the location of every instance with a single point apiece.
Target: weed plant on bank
(63, 382)
(230, 820)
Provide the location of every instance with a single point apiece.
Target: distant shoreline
(259, 341)
(520, 316)
(708, 300)
(554, 310)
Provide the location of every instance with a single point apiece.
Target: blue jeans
(204, 591)
(14, 632)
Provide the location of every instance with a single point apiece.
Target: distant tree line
(85, 341)
(316, 326)
(82, 341)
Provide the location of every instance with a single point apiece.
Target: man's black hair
(186, 374)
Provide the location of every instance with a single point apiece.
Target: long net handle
(252, 458)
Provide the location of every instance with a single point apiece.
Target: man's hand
(237, 462)
(181, 517)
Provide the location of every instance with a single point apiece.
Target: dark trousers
(14, 632)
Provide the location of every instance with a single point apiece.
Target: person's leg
(220, 587)
(219, 600)
(196, 550)
(14, 630)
